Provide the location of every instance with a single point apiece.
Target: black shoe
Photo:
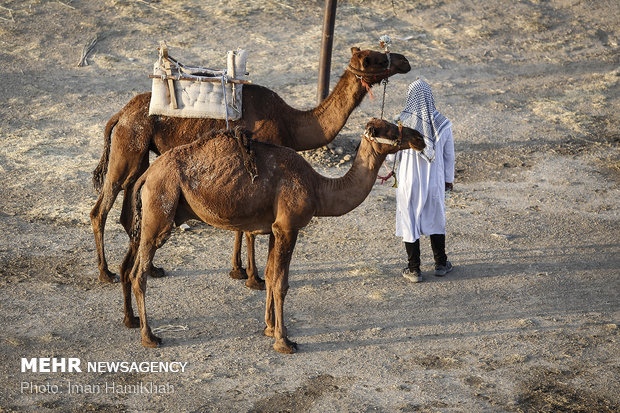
(441, 270)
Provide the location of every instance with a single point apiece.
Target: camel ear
(355, 50)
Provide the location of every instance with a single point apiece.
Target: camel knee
(94, 212)
(138, 284)
(137, 275)
(97, 214)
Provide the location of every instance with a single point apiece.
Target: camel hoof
(285, 346)
(268, 331)
(132, 322)
(108, 277)
(238, 274)
(255, 283)
(157, 272)
(153, 341)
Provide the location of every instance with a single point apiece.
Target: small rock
(502, 236)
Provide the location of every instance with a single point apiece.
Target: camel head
(373, 66)
(394, 137)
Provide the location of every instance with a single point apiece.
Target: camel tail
(128, 261)
(102, 168)
(136, 203)
(134, 232)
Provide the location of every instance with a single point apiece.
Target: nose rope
(384, 42)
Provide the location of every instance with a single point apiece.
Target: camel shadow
(496, 313)
(502, 262)
(554, 260)
(387, 337)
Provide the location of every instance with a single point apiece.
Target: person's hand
(449, 186)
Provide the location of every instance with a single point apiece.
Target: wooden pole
(329, 21)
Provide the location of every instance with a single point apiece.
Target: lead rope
(384, 42)
(385, 82)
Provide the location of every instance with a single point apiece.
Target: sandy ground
(527, 321)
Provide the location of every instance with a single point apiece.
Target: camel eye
(366, 62)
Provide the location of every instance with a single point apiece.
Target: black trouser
(438, 244)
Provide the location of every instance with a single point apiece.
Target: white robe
(420, 207)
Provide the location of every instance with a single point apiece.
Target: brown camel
(208, 180)
(131, 133)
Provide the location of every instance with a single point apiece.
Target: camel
(131, 133)
(211, 180)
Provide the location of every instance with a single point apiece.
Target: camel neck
(338, 196)
(319, 126)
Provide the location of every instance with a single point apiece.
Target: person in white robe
(423, 177)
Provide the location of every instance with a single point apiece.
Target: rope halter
(385, 141)
(367, 78)
(360, 74)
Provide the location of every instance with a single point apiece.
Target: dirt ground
(528, 319)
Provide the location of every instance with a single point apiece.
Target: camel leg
(126, 217)
(130, 320)
(269, 313)
(237, 272)
(156, 225)
(254, 282)
(98, 217)
(125, 164)
(278, 278)
(138, 282)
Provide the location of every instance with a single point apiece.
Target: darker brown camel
(208, 180)
(131, 133)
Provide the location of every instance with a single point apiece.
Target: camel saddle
(198, 92)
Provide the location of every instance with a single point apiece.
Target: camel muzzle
(399, 63)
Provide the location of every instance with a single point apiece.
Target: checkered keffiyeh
(420, 114)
